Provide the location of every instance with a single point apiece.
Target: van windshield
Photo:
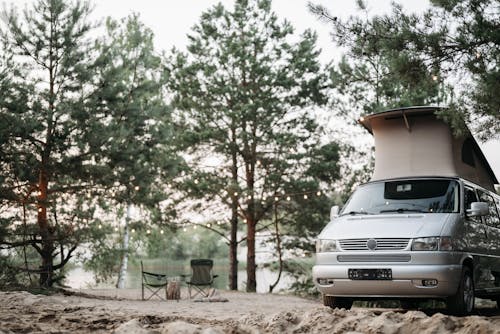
(404, 196)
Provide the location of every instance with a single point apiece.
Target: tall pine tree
(247, 93)
(78, 127)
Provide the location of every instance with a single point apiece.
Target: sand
(122, 311)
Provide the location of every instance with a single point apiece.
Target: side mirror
(478, 209)
(334, 212)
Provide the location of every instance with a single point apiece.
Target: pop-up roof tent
(413, 142)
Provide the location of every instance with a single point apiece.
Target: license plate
(370, 274)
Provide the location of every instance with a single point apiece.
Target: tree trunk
(251, 266)
(47, 233)
(120, 284)
(233, 250)
(278, 247)
(233, 242)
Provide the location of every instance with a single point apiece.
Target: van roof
(413, 142)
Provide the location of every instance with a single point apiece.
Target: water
(78, 278)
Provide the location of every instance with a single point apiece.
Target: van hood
(385, 226)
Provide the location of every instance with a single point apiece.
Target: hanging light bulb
(116, 229)
(276, 198)
(288, 198)
(148, 231)
(136, 188)
(435, 77)
(305, 196)
(195, 181)
(235, 193)
(133, 230)
(161, 231)
(318, 193)
(209, 225)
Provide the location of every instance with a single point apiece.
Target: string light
(195, 181)
(434, 77)
(318, 193)
(288, 198)
(276, 198)
(136, 188)
(235, 193)
(305, 196)
(40, 209)
(161, 231)
(100, 226)
(148, 231)
(184, 229)
(133, 230)
(116, 229)
(209, 225)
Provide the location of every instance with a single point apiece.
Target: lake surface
(78, 278)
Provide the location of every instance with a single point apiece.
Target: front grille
(384, 244)
(375, 258)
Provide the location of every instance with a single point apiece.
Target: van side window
(492, 219)
(470, 196)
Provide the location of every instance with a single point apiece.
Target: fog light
(325, 281)
(429, 282)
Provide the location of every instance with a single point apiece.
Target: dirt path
(21, 312)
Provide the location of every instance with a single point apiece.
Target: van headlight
(432, 244)
(326, 245)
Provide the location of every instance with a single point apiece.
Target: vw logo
(371, 244)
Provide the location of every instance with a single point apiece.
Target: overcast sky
(172, 20)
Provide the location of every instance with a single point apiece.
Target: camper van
(426, 226)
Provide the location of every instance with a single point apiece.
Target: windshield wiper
(401, 210)
(352, 213)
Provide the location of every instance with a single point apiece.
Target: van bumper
(407, 281)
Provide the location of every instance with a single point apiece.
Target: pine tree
(247, 95)
(447, 55)
(83, 130)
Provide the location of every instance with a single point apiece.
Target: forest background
(114, 146)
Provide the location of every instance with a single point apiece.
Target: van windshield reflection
(404, 196)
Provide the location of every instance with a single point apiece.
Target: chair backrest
(150, 278)
(201, 271)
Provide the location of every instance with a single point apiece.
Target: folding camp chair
(202, 278)
(153, 282)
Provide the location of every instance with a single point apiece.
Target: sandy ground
(122, 311)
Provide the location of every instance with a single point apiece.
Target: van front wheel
(337, 302)
(462, 303)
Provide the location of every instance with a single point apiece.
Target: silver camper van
(426, 226)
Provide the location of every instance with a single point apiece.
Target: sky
(172, 20)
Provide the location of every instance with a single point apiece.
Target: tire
(462, 303)
(337, 302)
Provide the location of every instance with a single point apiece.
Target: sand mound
(22, 312)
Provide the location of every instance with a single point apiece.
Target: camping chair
(202, 279)
(153, 282)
